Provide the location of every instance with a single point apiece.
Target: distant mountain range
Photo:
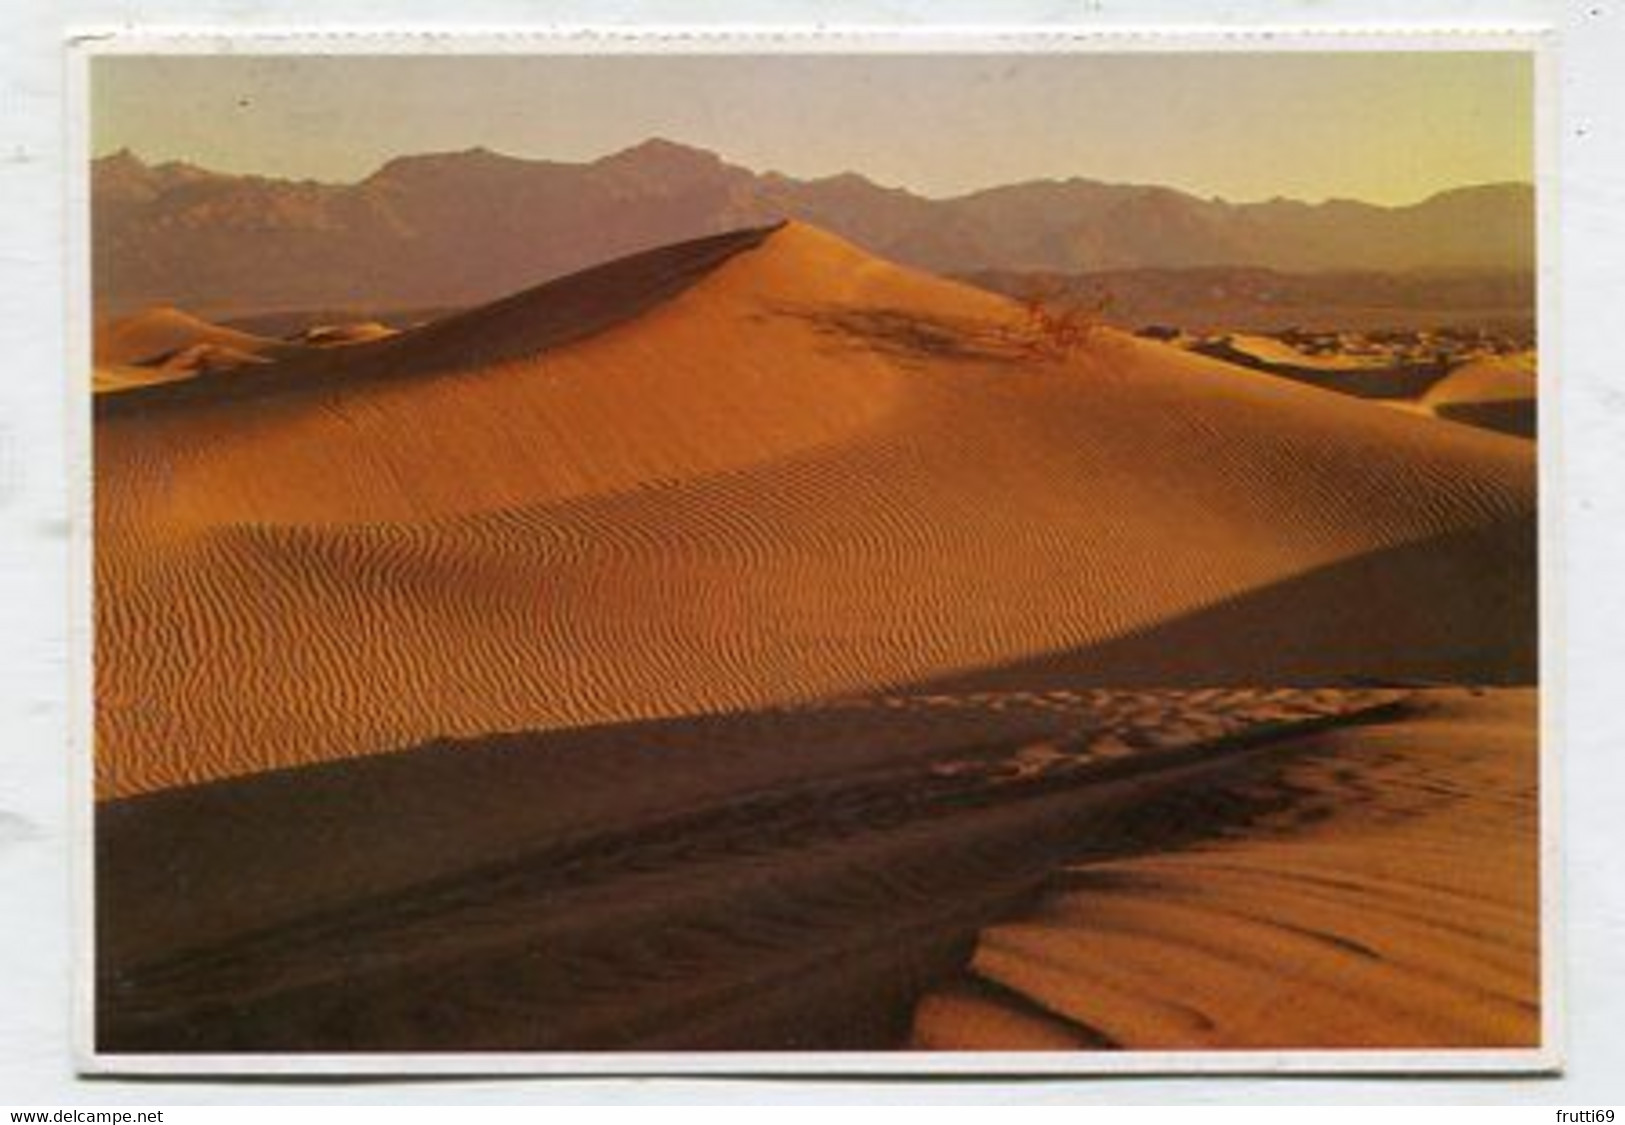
(456, 228)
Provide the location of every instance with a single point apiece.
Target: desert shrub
(1056, 324)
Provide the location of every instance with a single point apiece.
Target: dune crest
(535, 398)
(752, 469)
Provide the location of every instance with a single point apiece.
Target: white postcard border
(89, 42)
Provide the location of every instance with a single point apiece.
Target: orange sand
(751, 470)
(1391, 901)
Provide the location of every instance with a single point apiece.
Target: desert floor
(754, 644)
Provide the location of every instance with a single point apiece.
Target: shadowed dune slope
(754, 469)
(1369, 377)
(263, 849)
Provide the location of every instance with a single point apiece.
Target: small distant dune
(334, 335)
(1366, 376)
(204, 359)
(292, 324)
(163, 344)
(148, 336)
(750, 470)
(1495, 392)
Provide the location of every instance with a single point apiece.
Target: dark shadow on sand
(1517, 417)
(1399, 381)
(1365, 610)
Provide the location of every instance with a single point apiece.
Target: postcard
(866, 553)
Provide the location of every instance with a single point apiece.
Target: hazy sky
(1389, 128)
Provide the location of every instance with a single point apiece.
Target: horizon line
(126, 150)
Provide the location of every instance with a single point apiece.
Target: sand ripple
(1391, 901)
(734, 499)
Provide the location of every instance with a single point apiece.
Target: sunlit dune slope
(753, 468)
(1390, 899)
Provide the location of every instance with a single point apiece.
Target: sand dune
(336, 335)
(1389, 899)
(789, 878)
(1375, 377)
(1271, 351)
(123, 376)
(164, 344)
(1496, 393)
(750, 470)
(1488, 379)
(149, 336)
(729, 645)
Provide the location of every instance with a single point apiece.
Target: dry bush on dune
(1056, 324)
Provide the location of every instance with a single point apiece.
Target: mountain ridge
(464, 226)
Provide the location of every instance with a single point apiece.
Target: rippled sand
(754, 470)
(752, 644)
(1389, 899)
